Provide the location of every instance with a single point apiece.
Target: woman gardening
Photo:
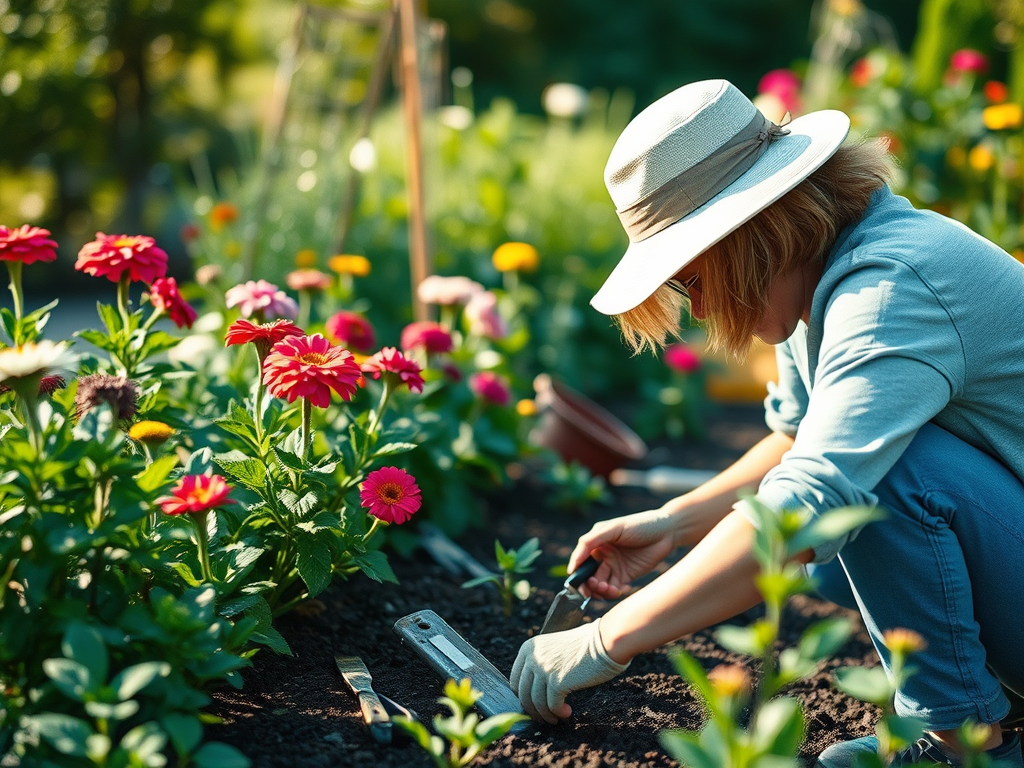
(900, 344)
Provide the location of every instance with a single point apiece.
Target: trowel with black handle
(566, 611)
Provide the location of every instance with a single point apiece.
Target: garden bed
(297, 712)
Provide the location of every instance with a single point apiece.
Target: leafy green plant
(513, 563)
(461, 736)
(776, 724)
(573, 487)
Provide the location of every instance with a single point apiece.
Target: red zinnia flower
(430, 336)
(263, 335)
(996, 92)
(351, 329)
(390, 361)
(165, 297)
(197, 493)
(310, 367)
(680, 357)
(390, 494)
(26, 244)
(491, 387)
(111, 256)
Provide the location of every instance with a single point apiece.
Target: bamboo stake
(419, 258)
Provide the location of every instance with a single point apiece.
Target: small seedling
(575, 488)
(512, 563)
(465, 735)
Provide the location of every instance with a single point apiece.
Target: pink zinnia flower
(26, 244)
(968, 60)
(310, 367)
(784, 85)
(390, 362)
(390, 494)
(308, 280)
(262, 298)
(491, 387)
(452, 371)
(426, 335)
(165, 297)
(264, 336)
(112, 256)
(482, 314)
(679, 357)
(197, 493)
(351, 329)
(447, 290)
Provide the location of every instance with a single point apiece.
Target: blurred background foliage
(150, 115)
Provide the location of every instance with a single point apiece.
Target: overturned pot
(578, 429)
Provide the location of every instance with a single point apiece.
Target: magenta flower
(310, 367)
(26, 244)
(112, 256)
(968, 60)
(194, 494)
(351, 329)
(784, 85)
(165, 296)
(426, 335)
(491, 387)
(390, 494)
(392, 363)
(681, 358)
(262, 298)
(482, 315)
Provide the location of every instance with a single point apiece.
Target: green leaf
(155, 476)
(185, 571)
(865, 683)
(85, 645)
(71, 678)
(10, 323)
(289, 460)
(313, 563)
(418, 731)
(685, 748)
(778, 727)
(481, 580)
(824, 638)
(249, 472)
(68, 735)
(391, 449)
(185, 731)
(833, 525)
(110, 316)
(136, 677)
(375, 565)
(745, 640)
(144, 740)
(905, 730)
(692, 672)
(214, 754)
(496, 726)
(157, 342)
(97, 339)
(120, 711)
(300, 507)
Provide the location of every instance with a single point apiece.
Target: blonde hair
(736, 272)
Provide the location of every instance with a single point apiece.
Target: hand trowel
(567, 608)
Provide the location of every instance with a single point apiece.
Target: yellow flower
(233, 249)
(845, 7)
(526, 407)
(153, 432)
(305, 258)
(515, 256)
(349, 265)
(729, 679)
(905, 641)
(1000, 117)
(980, 158)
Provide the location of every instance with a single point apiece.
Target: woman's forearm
(703, 508)
(713, 582)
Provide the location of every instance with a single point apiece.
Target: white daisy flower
(33, 358)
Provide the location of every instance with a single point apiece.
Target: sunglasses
(683, 289)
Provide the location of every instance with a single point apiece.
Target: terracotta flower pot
(577, 428)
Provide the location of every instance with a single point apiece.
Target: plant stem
(123, 301)
(257, 405)
(373, 529)
(203, 537)
(14, 270)
(377, 415)
(305, 307)
(307, 416)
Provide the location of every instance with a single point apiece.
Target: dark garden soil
(296, 712)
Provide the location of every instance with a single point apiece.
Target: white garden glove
(550, 667)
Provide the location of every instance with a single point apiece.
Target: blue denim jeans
(948, 563)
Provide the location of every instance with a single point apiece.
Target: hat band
(682, 195)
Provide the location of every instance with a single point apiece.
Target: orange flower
(222, 214)
(349, 265)
(996, 92)
(310, 367)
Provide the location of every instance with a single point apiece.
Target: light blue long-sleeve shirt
(916, 318)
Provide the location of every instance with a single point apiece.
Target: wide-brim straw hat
(691, 168)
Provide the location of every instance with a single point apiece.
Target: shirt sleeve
(786, 403)
(889, 360)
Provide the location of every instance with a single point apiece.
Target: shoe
(924, 750)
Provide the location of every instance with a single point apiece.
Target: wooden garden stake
(419, 259)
